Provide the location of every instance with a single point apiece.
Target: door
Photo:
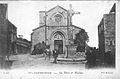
(58, 44)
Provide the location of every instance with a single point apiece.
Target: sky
(25, 15)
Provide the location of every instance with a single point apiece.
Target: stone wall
(109, 31)
(37, 36)
(3, 30)
(71, 51)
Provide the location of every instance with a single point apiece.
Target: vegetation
(39, 48)
(80, 39)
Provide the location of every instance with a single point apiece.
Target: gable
(56, 16)
(57, 7)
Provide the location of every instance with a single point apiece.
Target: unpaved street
(27, 61)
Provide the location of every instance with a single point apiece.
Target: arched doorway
(58, 44)
(59, 41)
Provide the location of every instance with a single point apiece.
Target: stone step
(71, 59)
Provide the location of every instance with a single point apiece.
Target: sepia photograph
(58, 39)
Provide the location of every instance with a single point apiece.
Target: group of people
(48, 54)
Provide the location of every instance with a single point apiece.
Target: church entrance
(58, 44)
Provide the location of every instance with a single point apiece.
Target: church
(56, 29)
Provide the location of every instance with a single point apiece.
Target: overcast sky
(25, 15)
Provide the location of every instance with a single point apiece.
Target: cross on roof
(71, 11)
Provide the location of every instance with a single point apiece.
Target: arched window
(58, 18)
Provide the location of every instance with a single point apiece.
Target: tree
(39, 48)
(80, 39)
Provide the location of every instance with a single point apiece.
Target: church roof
(56, 26)
(11, 25)
(56, 7)
(76, 27)
(38, 27)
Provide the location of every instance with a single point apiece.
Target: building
(12, 37)
(8, 34)
(23, 46)
(106, 33)
(3, 29)
(16, 45)
(56, 29)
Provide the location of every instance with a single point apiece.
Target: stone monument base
(71, 52)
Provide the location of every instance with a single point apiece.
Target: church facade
(56, 29)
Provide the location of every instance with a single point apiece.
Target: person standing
(55, 55)
(88, 57)
(93, 57)
(46, 53)
(49, 51)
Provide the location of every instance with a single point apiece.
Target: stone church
(56, 29)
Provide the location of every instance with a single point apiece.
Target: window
(58, 18)
(111, 43)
